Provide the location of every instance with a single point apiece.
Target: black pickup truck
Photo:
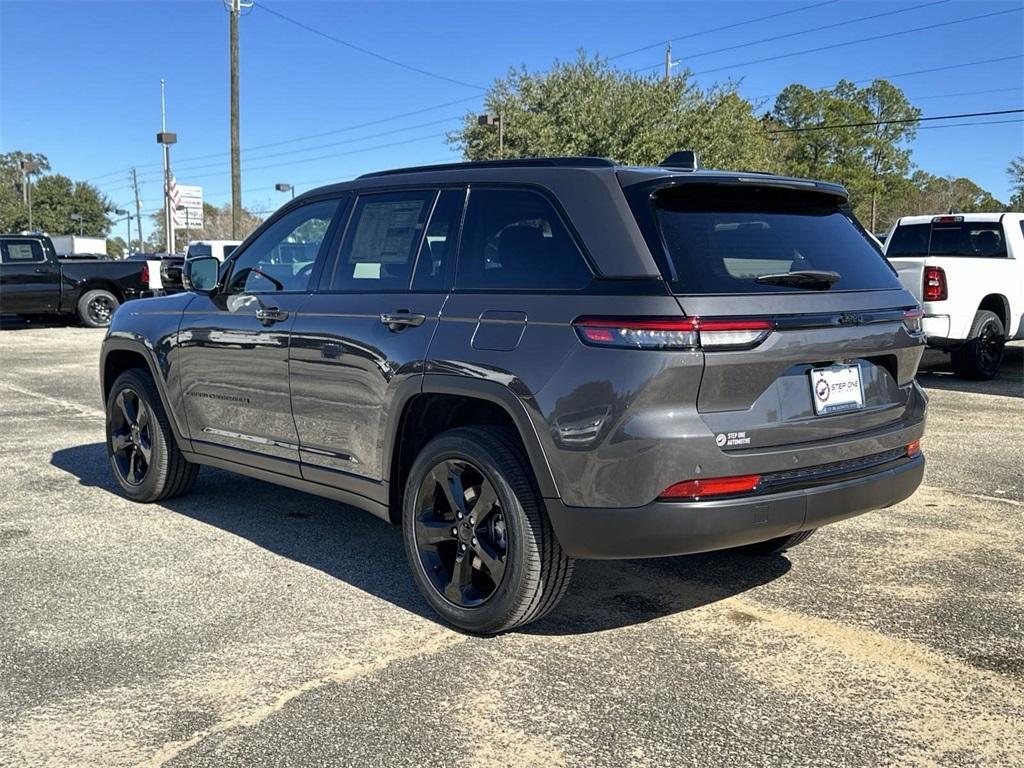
(33, 281)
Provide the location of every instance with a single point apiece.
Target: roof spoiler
(684, 160)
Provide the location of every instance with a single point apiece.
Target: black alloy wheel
(477, 535)
(981, 355)
(460, 533)
(990, 347)
(131, 437)
(101, 310)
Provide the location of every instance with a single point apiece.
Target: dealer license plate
(836, 389)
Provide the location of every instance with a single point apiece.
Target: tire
(166, 472)
(775, 546)
(513, 539)
(981, 355)
(96, 308)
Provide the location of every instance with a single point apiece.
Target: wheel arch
(1000, 307)
(101, 284)
(444, 402)
(120, 355)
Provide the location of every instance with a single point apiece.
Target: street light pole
(128, 221)
(495, 120)
(286, 188)
(78, 217)
(166, 139)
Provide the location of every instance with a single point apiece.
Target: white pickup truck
(967, 270)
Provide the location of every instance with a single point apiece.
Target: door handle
(270, 315)
(40, 271)
(402, 319)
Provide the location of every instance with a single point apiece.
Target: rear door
(363, 335)
(234, 344)
(29, 281)
(838, 356)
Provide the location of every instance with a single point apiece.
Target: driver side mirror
(200, 274)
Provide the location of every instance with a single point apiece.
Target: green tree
(13, 211)
(587, 107)
(1015, 170)
(56, 197)
(216, 226)
(116, 247)
(866, 148)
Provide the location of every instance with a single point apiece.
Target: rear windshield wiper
(812, 279)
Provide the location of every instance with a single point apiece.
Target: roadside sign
(191, 198)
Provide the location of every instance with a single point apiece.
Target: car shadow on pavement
(936, 372)
(367, 553)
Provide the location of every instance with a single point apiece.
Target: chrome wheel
(460, 533)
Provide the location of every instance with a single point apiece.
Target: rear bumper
(664, 528)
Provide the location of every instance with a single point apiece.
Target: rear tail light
(718, 486)
(913, 448)
(934, 288)
(145, 274)
(672, 333)
(912, 319)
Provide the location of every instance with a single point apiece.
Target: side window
(515, 240)
(283, 257)
(382, 241)
(22, 252)
(436, 262)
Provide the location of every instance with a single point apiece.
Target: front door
(363, 337)
(29, 280)
(234, 344)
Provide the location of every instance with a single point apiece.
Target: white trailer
(73, 244)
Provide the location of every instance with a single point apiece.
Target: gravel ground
(249, 625)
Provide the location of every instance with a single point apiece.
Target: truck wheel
(775, 546)
(982, 353)
(140, 444)
(96, 308)
(477, 536)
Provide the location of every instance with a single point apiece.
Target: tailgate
(763, 397)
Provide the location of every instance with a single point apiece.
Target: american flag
(177, 218)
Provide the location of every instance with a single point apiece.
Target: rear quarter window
(718, 239)
(981, 239)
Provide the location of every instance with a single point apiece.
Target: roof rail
(521, 162)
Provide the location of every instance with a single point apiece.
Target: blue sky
(79, 81)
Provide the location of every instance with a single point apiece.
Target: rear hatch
(826, 341)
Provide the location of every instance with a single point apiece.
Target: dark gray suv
(525, 362)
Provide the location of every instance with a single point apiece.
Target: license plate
(836, 389)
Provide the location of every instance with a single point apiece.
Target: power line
(859, 41)
(847, 22)
(703, 32)
(366, 51)
(870, 123)
(1018, 89)
(282, 142)
(977, 122)
(188, 168)
(915, 72)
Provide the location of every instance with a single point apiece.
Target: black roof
(520, 162)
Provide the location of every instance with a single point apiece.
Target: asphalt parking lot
(249, 625)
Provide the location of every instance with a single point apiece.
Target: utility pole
(28, 167)
(138, 209)
(668, 60)
(234, 8)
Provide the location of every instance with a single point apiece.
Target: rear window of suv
(963, 238)
(718, 239)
